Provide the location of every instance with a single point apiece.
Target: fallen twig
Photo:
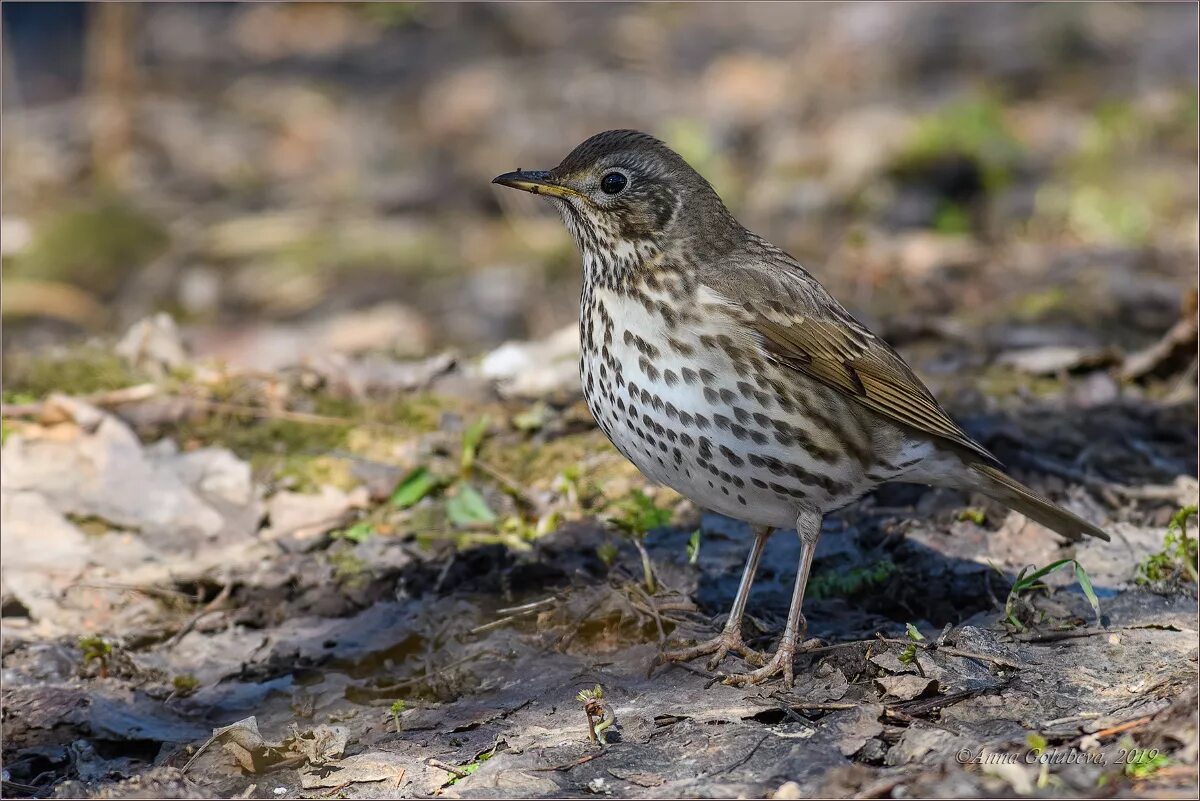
(582, 760)
(211, 606)
(1055, 636)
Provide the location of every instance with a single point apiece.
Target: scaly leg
(808, 526)
(730, 638)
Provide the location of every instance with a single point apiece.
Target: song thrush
(723, 369)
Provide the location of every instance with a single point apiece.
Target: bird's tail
(1016, 495)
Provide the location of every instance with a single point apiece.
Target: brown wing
(803, 327)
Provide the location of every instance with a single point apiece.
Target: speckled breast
(700, 409)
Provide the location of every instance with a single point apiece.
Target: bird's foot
(781, 662)
(729, 641)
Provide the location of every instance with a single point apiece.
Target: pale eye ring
(612, 183)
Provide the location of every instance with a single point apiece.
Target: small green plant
(467, 508)
(415, 486)
(96, 649)
(1033, 581)
(1178, 556)
(463, 771)
(693, 547)
(359, 532)
(1037, 746)
(599, 717)
(973, 514)
(637, 515)
(1143, 762)
(398, 706)
(472, 438)
(909, 654)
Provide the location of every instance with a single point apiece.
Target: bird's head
(625, 192)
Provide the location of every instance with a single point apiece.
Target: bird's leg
(730, 638)
(808, 526)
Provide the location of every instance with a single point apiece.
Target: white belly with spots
(694, 418)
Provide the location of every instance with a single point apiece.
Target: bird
(724, 370)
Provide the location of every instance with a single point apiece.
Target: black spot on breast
(731, 457)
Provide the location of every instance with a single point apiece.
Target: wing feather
(803, 327)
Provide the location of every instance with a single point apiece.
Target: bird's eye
(613, 183)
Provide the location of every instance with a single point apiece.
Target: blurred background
(279, 176)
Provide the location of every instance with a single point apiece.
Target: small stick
(211, 606)
(1132, 724)
(440, 765)
(582, 760)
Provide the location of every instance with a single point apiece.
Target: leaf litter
(258, 637)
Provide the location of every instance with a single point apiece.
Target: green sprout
(467, 508)
(395, 709)
(973, 514)
(909, 654)
(359, 532)
(1143, 762)
(637, 515)
(599, 714)
(1178, 556)
(1032, 581)
(693, 547)
(96, 649)
(415, 486)
(472, 438)
(1037, 746)
(463, 771)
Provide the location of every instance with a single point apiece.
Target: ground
(408, 596)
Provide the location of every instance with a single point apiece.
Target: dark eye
(612, 183)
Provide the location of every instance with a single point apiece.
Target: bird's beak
(539, 182)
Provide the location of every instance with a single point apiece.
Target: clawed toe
(782, 662)
(725, 643)
(779, 664)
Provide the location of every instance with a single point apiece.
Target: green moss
(256, 439)
(92, 245)
(80, 370)
(535, 463)
(302, 472)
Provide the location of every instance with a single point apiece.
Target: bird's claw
(781, 662)
(727, 642)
